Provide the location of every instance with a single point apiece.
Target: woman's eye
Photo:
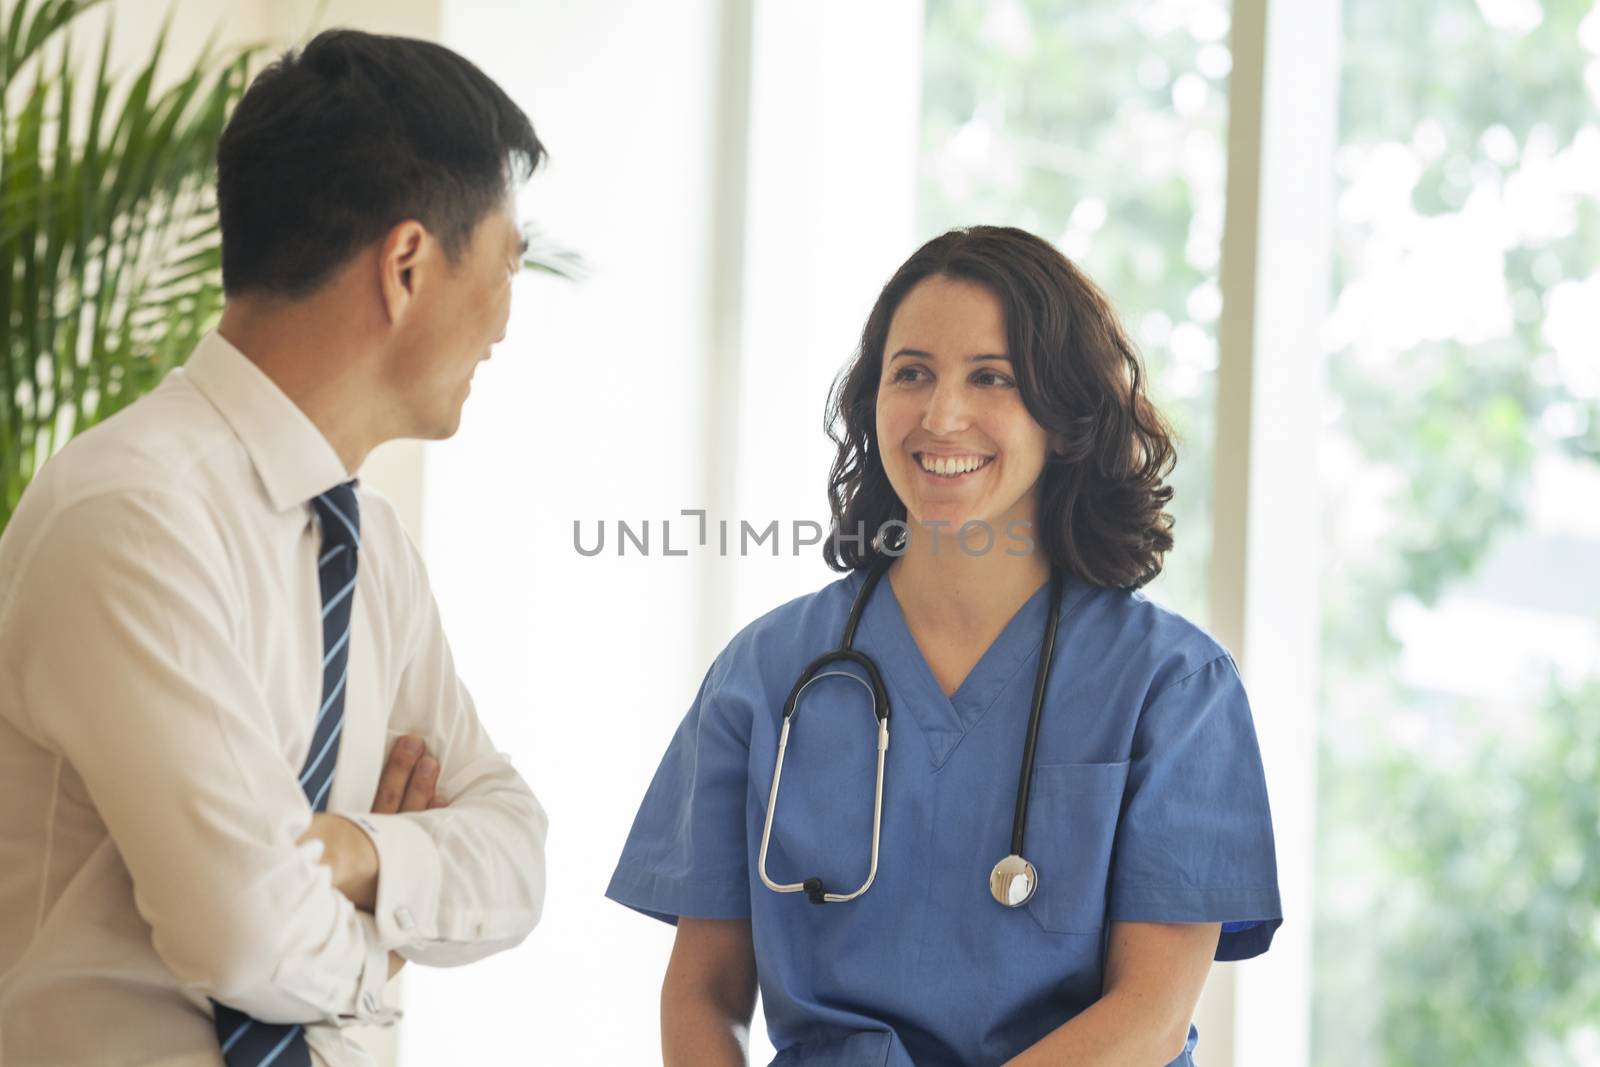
(906, 374)
(989, 377)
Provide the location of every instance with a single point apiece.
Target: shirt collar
(294, 460)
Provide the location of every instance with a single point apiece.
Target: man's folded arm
(121, 641)
(466, 880)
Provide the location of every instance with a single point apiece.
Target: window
(1459, 880)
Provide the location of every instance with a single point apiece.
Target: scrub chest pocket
(1071, 830)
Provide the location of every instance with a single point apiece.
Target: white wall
(592, 408)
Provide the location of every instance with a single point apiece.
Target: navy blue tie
(245, 1041)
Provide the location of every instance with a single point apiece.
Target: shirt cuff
(361, 1005)
(409, 879)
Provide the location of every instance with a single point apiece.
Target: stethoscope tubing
(1047, 655)
(814, 672)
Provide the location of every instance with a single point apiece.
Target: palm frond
(108, 228)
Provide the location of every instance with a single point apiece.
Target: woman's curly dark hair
(1102, 501)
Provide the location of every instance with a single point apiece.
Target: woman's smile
(953, 468)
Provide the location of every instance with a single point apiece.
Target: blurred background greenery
(1458, 809)
(107, 227)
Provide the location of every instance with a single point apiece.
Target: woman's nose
(947, 409)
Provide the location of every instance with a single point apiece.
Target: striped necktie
(245, 1041)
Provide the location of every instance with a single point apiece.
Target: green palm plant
(107, 228)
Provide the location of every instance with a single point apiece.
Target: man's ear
(398, 259)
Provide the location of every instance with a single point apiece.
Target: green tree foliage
(1459, 845)
(1481, 926)
(1461, 422)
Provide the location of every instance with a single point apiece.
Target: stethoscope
(1013, 880)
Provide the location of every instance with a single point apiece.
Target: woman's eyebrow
(989, 356)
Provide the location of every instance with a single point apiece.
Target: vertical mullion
(1218, 1009)
(1265, 601)
(730, 217)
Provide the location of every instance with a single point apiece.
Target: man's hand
(409, 779)
(349, 854)
(407, 784)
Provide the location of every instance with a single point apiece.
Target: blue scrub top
(1148, 803)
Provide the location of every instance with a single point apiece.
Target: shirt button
(404, 919)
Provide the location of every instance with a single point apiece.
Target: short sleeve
(1194, 844)
(686, 853)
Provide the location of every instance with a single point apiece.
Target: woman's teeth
(953, 466)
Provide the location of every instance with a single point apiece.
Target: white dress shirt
(160, 672)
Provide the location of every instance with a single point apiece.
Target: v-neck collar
(945, 720)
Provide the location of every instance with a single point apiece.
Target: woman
(999, 468)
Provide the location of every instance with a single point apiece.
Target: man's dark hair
(1102, 505)
(332, 147)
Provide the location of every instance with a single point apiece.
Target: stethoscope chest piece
(1013, 881)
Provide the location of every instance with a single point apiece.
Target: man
(202, 615)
